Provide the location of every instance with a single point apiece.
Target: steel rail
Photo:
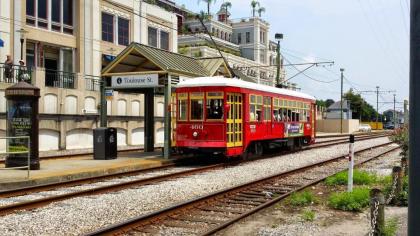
(108, 188)
(185, 206)
(89, 180)
(102, 189)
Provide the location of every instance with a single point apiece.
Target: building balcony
(60, 79)
(12, 74)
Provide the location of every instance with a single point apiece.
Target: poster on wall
(19, 123)
(293, 129)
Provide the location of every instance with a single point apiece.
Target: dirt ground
(282, 219)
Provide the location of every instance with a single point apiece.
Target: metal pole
(414, 130)
(167, 134)
(351, 164)
(377, 107)
(405, 112)
(278, 64)
(394, 116)
(103, 113)
(341, 101)
(22, 40)
(29, 155)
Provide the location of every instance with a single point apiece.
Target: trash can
(104, 143)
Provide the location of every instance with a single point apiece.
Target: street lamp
(278, 37)
(22, 40)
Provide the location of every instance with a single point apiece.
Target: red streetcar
(234, 118)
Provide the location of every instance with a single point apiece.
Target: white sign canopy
(135, 81)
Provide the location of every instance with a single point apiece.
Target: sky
(368, 38)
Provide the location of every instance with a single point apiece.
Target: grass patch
(308, 215)
(353, 201)
(304, 198)
(391, 227)
(359, 178)
(403, 197)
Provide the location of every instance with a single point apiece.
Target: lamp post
(278, 37)
(22, 33)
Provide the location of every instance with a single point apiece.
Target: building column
(149, 121)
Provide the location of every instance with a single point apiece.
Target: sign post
(22, 120)
(351, 164)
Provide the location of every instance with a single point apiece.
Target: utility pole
(405, 112)
(377, 106)
(278, 37)
(377, 91)
(341, 101)
(394, 116)
(414, 139)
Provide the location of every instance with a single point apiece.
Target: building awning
(1, 43)
(139, 58)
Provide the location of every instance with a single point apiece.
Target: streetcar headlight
(195, 134)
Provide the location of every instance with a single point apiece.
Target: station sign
(109, 93)
(135, 81)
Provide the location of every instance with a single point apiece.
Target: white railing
(28, 151)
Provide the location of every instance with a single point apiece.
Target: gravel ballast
(85, 214)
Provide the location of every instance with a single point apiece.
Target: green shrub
(350, 201)
(359, 178)
(390, 227)
(403, 197)
(308, 215)
(304, 198)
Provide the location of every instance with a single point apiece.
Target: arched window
(122, 107)
(50, 103)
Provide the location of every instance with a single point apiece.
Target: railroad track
(98, 185)
(345, 137)
(214, 212)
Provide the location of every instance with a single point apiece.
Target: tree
(226, 6)
(254, 5)
(329, 102)
(360, 108)
(261, 10)
(208, 2)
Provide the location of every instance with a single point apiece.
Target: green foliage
(359, 178)
(400, 136)
(304, 198)
(403, 197)
(308, 215)
(361, 108)
(350, 201)
(324, 103)
(390, 227)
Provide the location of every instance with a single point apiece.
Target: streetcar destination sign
(135, 81)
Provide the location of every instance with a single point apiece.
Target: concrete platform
(56, 170)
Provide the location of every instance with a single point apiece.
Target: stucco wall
(333, 125)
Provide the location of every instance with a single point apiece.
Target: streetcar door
(234, 125)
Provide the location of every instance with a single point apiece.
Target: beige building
(66, 45)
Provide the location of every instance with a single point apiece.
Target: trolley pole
(341, 101)
(414, 130)
(351, 164)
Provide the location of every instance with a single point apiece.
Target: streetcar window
(196, 106)
(255, 106)
(267, 108)
(197, 109)
(289, 115)
(182, 106)
(214, 108)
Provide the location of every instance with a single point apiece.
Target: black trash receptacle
(104, 143)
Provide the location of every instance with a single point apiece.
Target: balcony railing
(12, 74)
(92, 83)
(59, 79)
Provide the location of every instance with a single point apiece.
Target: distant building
(244, 42)
(334, 111)
(389, 116)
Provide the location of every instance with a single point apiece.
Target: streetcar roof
(222, 81)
